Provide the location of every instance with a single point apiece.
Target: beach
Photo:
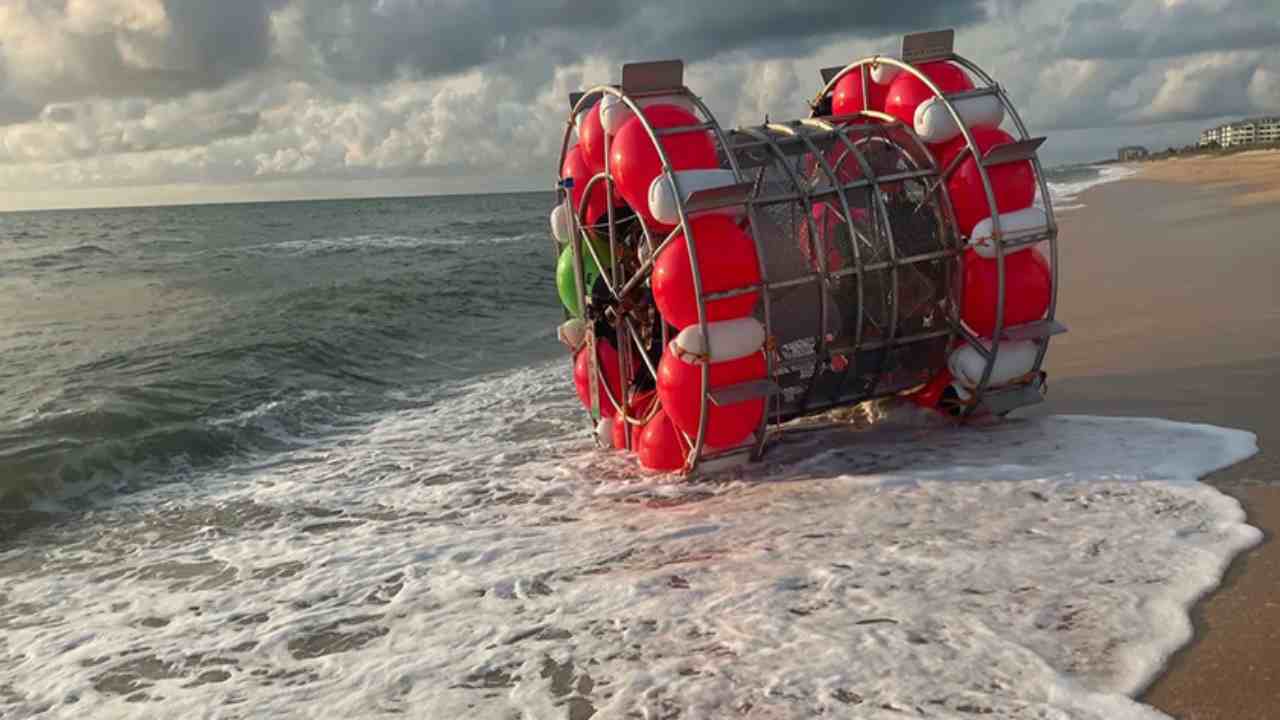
(1168, 283)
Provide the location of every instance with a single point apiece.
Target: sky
(135, 102)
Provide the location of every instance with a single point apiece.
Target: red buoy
(634, 160)
(607, 361)
(1028, 282)
(637, 409)
(660, 446)
(1014, 184)
(727, 260)
(846, 97)
(931, 394)
(576, 167)
(591, 139)
(680, 392)
(906, 92)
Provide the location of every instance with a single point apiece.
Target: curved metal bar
(823, 281)
(1042, 182)
(848, 216)
(884, 236)
(586, 241)
(770, 360)
(684, 225)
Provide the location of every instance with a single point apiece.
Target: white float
(1032, 219)
(662, 196)
(561, 229)
(614, 113)
(730, 340)
(1014, 359)
(934, 123)
(573, 334)
(884, 73)
(604, 433)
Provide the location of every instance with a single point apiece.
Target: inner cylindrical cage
(859, 255)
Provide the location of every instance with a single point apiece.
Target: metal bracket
(1013, 152)
(1034, 330)
(652, 76)
(719, 197)
(1003, 400)
(926, 46)
(749, 390)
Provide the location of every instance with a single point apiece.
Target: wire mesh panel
(859, 256)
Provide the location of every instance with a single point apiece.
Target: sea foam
(473, 556)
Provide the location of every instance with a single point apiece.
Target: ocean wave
(1065, 193)
(374, 243)
(477, 556)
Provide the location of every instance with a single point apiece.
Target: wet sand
(1172, 294)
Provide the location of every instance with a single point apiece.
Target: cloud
(473, 93)
(67, 50)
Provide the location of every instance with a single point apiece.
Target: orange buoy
(1028, 283)
(907, 91)
(1014, 184)
(607, 361)
(726, 259)
(634, 161)
(680, 392)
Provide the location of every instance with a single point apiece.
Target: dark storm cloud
(373, 42)
(194, 45)
(1099, 30)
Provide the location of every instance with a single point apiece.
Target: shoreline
(1168, 288)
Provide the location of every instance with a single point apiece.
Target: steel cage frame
(803, 131)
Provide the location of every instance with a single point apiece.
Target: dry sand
(1172, 294)
(1250, 178)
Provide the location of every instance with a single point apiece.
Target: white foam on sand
(1065, 194)
(476, 558)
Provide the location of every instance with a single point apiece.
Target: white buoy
(1020, 221)
(730, 340)
(573, 333)
(1015, 359)
(884, 73)
(662, 195)
(934, 123)
(560, 227)
(604, 433)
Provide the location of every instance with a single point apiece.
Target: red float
(607, 361)
(637, 409)
(727, 259)
(680, 392)
(660, 446)
(634, 160)
(575, 166)
(1014, 184)
(931, 394)
(1028, 283)
(591, 139)
(846, 97)
(906, 92)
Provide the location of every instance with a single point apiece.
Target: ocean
(323, 459)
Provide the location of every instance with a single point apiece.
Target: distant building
(1250, 131)
(1133, 152)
